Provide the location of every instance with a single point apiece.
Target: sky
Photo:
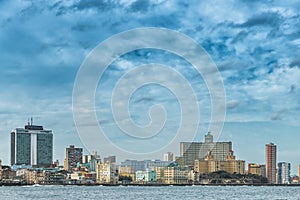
(255, 46)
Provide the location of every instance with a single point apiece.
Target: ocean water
(148, 192)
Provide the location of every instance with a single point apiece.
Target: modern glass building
(32, 145)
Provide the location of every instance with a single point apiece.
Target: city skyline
(255, 46)
(210, 149)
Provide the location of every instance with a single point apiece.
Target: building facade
(175, 175)
(271, 160)
(169, 156)
(257, 169)
(32, 145)
(284, 173)
(209, 164)
(135, 164)
(105, 173)
(92, 160)
(73, 157)
(145, 176)
(190, 151)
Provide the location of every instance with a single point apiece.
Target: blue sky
(254, 44)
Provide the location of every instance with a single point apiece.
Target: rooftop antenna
(31, 121)
(28, 122)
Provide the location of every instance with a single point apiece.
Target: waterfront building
(127, 171)
(73, 157)
(190, 151)
(145, 176)
(75, 177)
(271, 161)
(105, 173)
(284, 173)
(169, 156)
(50, 177)
(32, 145)
(209, 164)
(257, 169)
(30, 176)
(175, 175)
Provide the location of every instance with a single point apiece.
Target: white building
(145, 176)
(105, 173)
(169, 156)
(283, 173)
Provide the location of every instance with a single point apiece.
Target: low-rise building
(126, 171)
(257, 169)
(30, 176)
(175, 175)
(145, 176)
(53, 177)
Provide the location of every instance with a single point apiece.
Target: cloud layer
(254, 44)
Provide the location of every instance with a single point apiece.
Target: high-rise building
(73, 157)
(284, 173)
(105, 173)
(190, 151)
(32, 145)
(169, 156)
(271, 157)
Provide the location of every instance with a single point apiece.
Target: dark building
(32, 145)
(73, 157)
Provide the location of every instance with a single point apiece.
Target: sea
(149, 192)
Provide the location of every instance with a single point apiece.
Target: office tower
(284, 173)
(190, 151)
(168, 156)
(32, 145)
(73, 157)
(271, 155)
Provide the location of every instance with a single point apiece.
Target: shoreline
(146, 184)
